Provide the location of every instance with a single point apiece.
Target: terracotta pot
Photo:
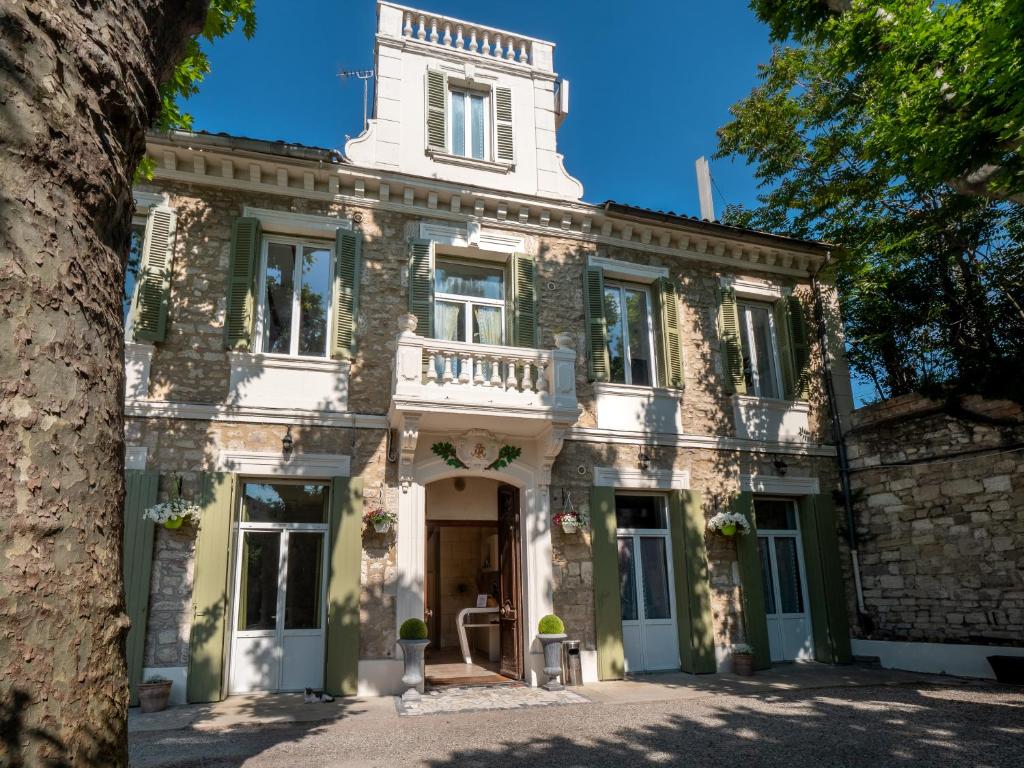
(743, 664)
(153, 696)
(174, 523)
(729, 529)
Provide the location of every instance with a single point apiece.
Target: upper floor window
(295, 290)
(131, 271)
(630, 336)
(760, 357)
(469, 110)
(469, 302)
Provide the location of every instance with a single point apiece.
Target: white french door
(279, 596)
(785, 583)
(650, 638)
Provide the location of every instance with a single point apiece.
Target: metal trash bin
(572, 664)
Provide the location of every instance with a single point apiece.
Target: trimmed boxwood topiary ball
(413, 629)
(551, 625)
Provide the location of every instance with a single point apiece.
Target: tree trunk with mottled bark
(78, 87)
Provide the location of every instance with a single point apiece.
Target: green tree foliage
(222, 17)
(868, 130)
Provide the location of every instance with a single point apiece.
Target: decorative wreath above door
(477, 450)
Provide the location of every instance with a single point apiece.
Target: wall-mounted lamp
(287, 443)
(644, 458)
(780, 466)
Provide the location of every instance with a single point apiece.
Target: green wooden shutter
(783, 339)
(611, 664)
(829, 621)
(504, 145)
(801, 346)
(341, 675)
(749, 557)
(732, 344)
(524, 290)
(209, 637)
(670, 350)
(140, 493)
(348, 252)
(421, 286)
(241, 288)
(436, 97)
(598, 366)
(153, 293)
(693, 587)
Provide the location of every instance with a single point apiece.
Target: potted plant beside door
(154, 693)
(412, 637)
(551, 633)
(743, 659)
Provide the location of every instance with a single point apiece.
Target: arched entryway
(472, 582)
(530, 541)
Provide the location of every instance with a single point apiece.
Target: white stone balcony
(453, 385)
(463, 37)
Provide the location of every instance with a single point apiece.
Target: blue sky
(651, 82)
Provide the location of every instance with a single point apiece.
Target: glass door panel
(790, 592)
(258, 590)
(304, 583)
(627, 580)
(654, 570)
(767, 577)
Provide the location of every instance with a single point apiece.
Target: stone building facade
(642, 359)
(939, 504)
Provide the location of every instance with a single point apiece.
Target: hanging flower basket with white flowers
(175, 511)
(729, 523)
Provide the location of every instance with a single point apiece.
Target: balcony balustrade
(513, 389)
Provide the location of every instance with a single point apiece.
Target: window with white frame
(469, 302)
(295, 304)
(627, 310)
(131, 271)
(760, 352)
(468, 111)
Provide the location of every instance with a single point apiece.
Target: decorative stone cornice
(214, 162)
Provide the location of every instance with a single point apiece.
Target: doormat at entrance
(477, 698)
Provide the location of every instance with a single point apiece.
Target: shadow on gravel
(901, 727)
(191, 747)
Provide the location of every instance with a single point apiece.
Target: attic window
(468, 111)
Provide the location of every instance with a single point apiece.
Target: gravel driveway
(972, 724)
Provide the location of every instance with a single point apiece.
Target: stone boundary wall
(939, 509)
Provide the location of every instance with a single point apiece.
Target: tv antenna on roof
(365, 75)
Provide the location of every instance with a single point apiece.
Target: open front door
(511, 664)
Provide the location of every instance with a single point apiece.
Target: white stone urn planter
(552, 660)
(412, 653)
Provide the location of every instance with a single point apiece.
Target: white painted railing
(467, 37)
(483, 365)
(486, 375)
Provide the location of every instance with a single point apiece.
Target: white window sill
(471, 162)
(284, 381)
(635, 408)
(772, 403)
(289, 362)
(634, 390)
(763, 418)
